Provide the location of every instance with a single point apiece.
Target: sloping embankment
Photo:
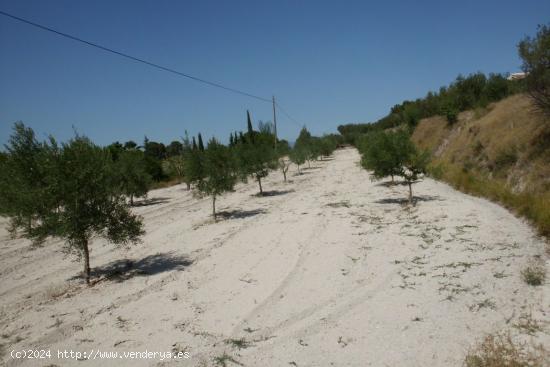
(501, 152)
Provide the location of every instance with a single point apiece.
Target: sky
(326, 62)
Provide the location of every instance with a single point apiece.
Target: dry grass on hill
(501, 152)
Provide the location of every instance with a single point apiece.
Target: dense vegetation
(465, 93)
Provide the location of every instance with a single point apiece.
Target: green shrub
(451, 114)
(499, 350)
(505, 158)
(534, 274)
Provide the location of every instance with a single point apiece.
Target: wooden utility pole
(274, 122)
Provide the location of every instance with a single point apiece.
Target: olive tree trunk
(214, 206)
(86, 253)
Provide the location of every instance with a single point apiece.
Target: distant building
(516, 76)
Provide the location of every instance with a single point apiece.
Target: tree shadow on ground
(404, 201)
(124, 269)
(310, 168)
(395, 183)
(153, 201)
(238, 213)
(274, 193)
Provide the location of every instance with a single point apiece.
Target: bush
(451, 114)
(500, 351)
(506, 158)
(534, 274)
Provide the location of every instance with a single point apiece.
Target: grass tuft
(241, 343)
(499, 350)
(534, 274)
(224, 359)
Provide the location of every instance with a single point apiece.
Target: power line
(133, 58)
(288, 115)
(213, 84)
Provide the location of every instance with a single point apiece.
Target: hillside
(501, 152)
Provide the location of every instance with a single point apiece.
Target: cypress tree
(249, 122)
(201, 145)
(194, 144)
(249, 127)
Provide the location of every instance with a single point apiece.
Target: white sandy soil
(331, 269)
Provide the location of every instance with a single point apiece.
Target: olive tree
(414, 166)
(327, 145)
(382, 153)
(283, 150)
(257, 154)
(307, 145)
(192, 164)
(393, 154)
(218, 170)
(77, 197)
(24, 177)
(133, 178)
(298, 156)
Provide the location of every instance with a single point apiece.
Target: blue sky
(327, 62)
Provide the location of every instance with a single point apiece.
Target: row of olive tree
(73, 191)
(309, 148)
(253, 154)
(78, 190)
(392, 153)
